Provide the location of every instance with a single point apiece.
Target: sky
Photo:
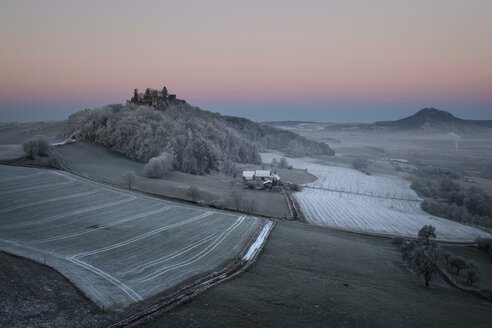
(329, 61)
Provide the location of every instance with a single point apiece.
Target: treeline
(198, 141)
(447, 198)
(424, 257)
(268, 137)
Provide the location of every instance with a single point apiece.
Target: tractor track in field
(189, 292)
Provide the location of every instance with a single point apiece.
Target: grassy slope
(311, 277)
(481, 259)
(93, 160)
(34, 295)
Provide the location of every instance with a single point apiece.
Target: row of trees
(448, 199)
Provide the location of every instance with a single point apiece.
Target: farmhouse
(267, 176)
(248, 175)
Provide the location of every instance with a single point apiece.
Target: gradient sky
(331, 61)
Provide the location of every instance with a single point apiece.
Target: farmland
(98, 162)
(118, 247)
(355, 281)
(345, 198)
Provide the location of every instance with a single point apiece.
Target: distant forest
(199, 141)
(447, 198)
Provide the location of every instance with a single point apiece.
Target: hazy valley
(151, 204)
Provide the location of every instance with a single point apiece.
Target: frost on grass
(348, 199)
(116, 246)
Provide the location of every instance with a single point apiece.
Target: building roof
(249, 175)
(262, 173)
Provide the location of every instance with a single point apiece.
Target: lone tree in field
(194, 193)
(129, 178)
(422, 255)
(424, 262)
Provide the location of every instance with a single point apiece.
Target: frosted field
(349, 180)
(348, 199)
(116, 246)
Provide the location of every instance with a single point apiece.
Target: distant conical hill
(434, 120)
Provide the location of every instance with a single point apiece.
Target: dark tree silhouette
(426, 233)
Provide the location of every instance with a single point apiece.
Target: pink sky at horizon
(269, 53)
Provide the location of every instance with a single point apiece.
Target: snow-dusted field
(348, 199)
(116, 246)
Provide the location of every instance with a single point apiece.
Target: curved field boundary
(187, 293)
(96, 240)
(348, 200)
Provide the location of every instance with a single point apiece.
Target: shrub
(36, 147)
(158, 166)
(252, 184)
(457, 263)
(397, 241)
(277, 189)
(217, 203)
(153, 169)
(361, 164)
(295, 187)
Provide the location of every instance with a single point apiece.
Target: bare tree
(237, 198)
(129, 178)
(422, 255)
(194, 193)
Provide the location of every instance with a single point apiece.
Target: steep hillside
(198, 140)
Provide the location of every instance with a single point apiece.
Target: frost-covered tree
(198, 140)
(36, 147)
(153, 169)
(159, 166)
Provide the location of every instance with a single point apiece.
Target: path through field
(116, 246)
(347, 199)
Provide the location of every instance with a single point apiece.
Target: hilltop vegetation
(198, 140)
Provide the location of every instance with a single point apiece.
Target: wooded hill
(198, 140)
